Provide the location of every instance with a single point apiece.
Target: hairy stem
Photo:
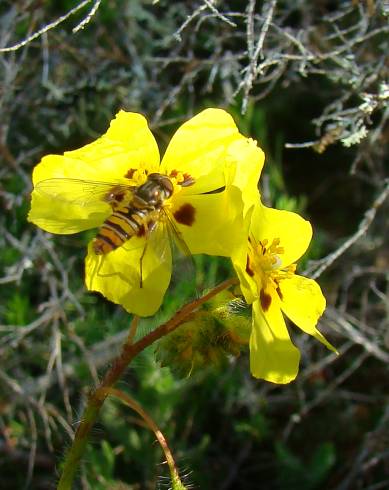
(129, 351)
(152, 426)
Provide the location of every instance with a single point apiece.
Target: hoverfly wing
(183, 262)
(175, 235)
(83, 192)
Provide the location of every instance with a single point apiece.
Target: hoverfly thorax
(153, 193)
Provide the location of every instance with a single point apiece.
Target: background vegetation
(309, 80)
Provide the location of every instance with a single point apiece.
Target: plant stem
(152, 426)
(129, 351)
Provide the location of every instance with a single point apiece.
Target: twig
(189, 19)
(364, 225)
(323, 394)
(211, 6)
(87, 19)
(252, 69)
(45, 29)
(336, 382)
(32, 455)
(336, 319)
(16, 388)
(366, 449)
(207, 4)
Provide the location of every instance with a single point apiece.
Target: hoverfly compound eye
(169, 189)
(154, 176)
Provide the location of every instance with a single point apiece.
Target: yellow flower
(266, 268)
(118, 184)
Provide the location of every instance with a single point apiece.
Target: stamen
(264, 264)
(130, 173)
(182, 179)
(280, 295)
(138, 176)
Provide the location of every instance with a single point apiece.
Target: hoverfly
(136, 210)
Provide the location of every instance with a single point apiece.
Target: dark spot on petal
(279, 293)
(173, 173)
(185, 214)
(141, 231)
(249, 270)
(130, 173)
(265, 300)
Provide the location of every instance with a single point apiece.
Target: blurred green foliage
(295, 473)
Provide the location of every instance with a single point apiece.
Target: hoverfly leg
(97, 267)
(149, 229)
(141, 265)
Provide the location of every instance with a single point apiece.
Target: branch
(364, 225)
(54, 24)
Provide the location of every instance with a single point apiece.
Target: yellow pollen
(266, 262)
(139, 175)
(268, 256)
(177, 178)
(176, 181)
(273, 249)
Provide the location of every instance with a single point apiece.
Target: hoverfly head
(165, 185)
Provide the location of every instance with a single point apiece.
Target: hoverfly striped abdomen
(136, 218)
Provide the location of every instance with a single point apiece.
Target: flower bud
(219, 329)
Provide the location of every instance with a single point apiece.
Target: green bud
(219, 329)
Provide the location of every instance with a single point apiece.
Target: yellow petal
(70, 204)
(128, 144)
(273, 357)
(303, 302)
(241, 265)
(117, 274)
(294, 232)
(57, 216)
(200, 147)
(243, 172)
(244, 166)
(210, 223)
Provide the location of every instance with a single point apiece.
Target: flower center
(181, 179)
(174, 181)
(138, 177)
(268, 256)
(264, 264)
